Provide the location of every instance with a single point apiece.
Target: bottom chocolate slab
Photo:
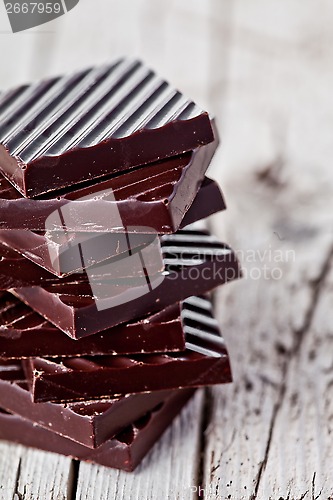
(90, 423)
(124, 452)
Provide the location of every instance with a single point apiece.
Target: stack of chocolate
(106, 329)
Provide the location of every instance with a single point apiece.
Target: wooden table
(268, 75)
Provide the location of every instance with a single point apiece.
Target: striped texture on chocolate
(53, 116)
(191, 247)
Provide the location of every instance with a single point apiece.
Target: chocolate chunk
(160, 193)
(204, 362)
(124, 451)
(90, 423)
(17, 271)
(195, 262)
(24, 333)
(107, 119)
(35, 246)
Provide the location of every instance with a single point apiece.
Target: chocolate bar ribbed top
(94, 122)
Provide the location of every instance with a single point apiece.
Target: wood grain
(275, 441)
(265, 69)
(169, 471)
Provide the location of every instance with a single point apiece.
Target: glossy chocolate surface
(24, 333)
(35, 246)
(90, 423)
(204, 362)
(160, 193)
(61, 131)
(195, 262)
(17, 271)
(124, 451)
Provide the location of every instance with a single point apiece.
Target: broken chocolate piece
(90, 423)
(124, 451)
(36, 246)
(195, 262)
(17, 271)
(160, 193)
(102, 120)
(204, 362)
(24, 334)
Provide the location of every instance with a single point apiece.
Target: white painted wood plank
(43, 475)
(241, 434)
(301, 457)
(9, 466)
(27, 474)
(169, 471)
(275, 169)
(278, 91)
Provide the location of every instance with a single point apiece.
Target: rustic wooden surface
(265, 69)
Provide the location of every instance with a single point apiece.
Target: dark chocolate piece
(17, 271)
(90, 423)
(160, 193)
(24, 333)
(64, 130)
(195, 261)
(35, 246)
(204, 362)
(208, 201)
(124, 451)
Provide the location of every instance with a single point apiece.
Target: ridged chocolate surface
(124, 451)
(90, 423)
(24, 333)
(205, 361)
(195, 264)
(95, 110)
(86, 108)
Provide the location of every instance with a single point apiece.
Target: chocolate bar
(195, 262)
(36, 246)
(204, 362)
(161, 193)
(102, 120)
(24, 333)
(124, 451)
(90, 423)
(17, 271)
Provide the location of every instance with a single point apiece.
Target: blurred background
(264, 68)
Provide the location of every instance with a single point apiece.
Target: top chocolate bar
(70, 129)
